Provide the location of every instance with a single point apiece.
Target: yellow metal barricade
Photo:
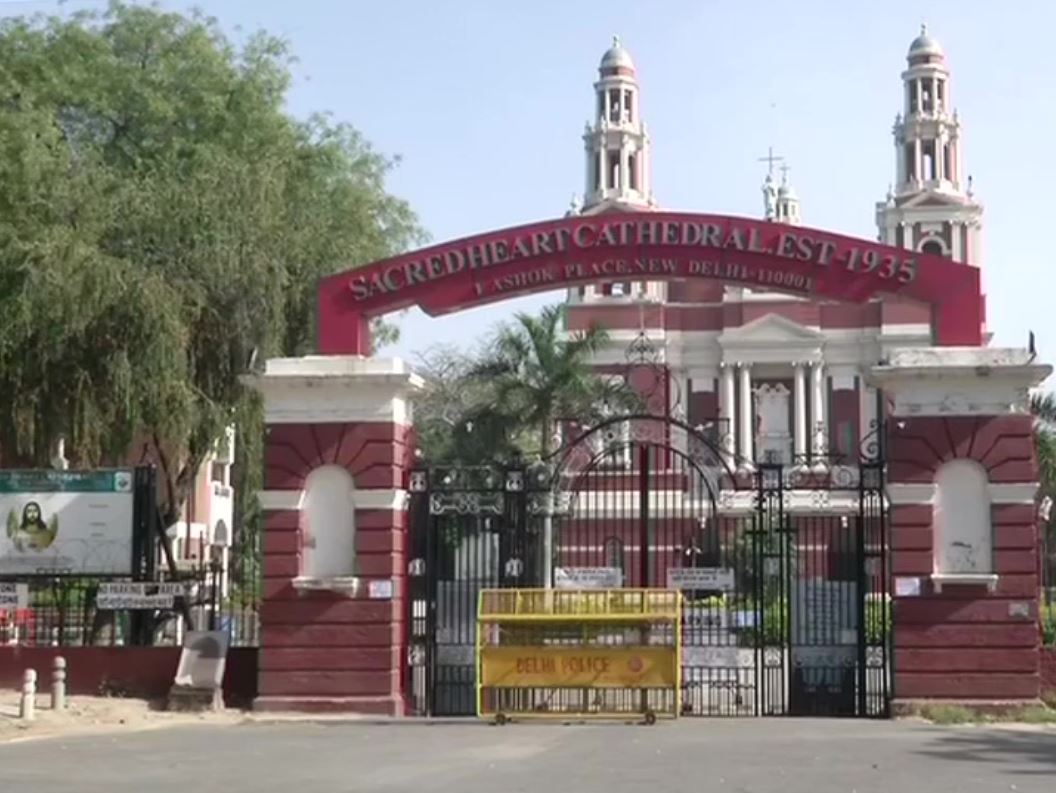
(555, 653)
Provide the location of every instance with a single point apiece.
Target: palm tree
(1043, 408)
(539, 375)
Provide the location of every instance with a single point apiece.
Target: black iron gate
(783, 569)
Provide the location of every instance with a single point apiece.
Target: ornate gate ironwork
(783, 569)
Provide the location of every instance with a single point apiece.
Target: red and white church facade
(801, 345)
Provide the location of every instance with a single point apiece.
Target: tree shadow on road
(1023, 752)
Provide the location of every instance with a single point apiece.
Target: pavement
(739, 756)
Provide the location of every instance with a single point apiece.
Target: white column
(900, 163)
(602, 165)
(608, 98)
(643, 167)
(591, 160)
(678, 398)
(747, 414)
(799, 404)
(940, 156)
(625, 165)
(818, 427)
(727, 400)
(918, 161)
(955, 242)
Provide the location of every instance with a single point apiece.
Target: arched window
(329, 523)
(933, 246)
(963, 532)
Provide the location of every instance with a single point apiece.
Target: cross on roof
(784, 173)
(770, 159)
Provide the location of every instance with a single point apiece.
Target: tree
(162, 220)
(1043, 408)
(538, 375)
(456, 416)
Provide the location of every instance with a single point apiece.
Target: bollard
(27, 707)
(58, 684)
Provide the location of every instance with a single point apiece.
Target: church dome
(924, 45)
(616, 57)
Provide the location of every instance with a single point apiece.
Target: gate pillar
(962, 484)
(338, 447)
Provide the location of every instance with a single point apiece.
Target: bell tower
(618, 173)
(931, 207)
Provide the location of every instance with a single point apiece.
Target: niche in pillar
(774, 439)
(328, 527)
(963, 534)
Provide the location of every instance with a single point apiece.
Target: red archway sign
(652, 246)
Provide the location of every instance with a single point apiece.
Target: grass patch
(1036, 715)
(948, 714)
(958, 714)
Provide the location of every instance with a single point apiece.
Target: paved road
(743, 756)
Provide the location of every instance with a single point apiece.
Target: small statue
(770, 197)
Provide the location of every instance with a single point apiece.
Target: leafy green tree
(163, 220)
(539, 376)
(1043, 408)
(456, 418)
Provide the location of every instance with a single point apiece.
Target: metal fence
(1048, 563)
(63, 612)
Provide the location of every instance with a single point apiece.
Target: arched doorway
(783, 569)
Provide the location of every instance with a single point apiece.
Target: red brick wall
(703, 405)
(965, 642)
(325, 650)
(845, 405)
(145, 672)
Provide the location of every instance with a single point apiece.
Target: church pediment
(612, 206)
(770, 328)
(771, 338)
(931, 200)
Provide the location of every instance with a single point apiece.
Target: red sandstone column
(961, 457)
(338, 447)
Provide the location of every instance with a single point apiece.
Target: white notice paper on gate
(588, 577)
(14, 595)
(714, 578)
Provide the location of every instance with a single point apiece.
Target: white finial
(615, 41)
(923, 28)
(784, 174)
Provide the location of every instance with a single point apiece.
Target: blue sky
(485, 103)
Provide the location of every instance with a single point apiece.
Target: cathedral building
(776, 377)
